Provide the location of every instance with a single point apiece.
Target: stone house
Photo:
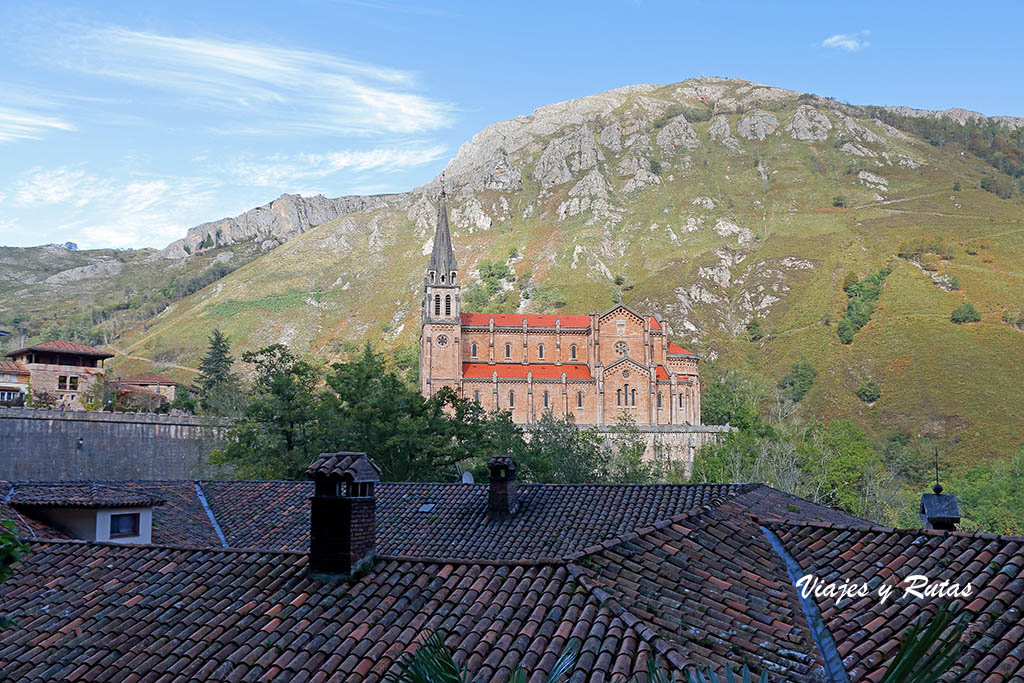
(152, 387)
(14, 382)
(61, 368)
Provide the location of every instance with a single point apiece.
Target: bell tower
(440, 355)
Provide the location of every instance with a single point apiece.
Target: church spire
(442, 259)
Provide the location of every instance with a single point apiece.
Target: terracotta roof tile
(868, 633)
(84, 495)
(61, 632)
(13, 367)
(676, 348)
(532, 320)
(519, 371)
(63, 346)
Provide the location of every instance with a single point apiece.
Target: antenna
(938, 487)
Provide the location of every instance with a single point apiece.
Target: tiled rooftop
(222, 615)
(867, 632)
(80, 495)
(685, 571)
(64, 346)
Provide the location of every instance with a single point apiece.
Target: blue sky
(123, 124)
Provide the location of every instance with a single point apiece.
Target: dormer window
(123, 525)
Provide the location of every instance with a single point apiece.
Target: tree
(839, 202)
(558, 452)
(797, 382)
(278, 434)
(219, 389)
(965, 313)
(183, 400)
(369, 408)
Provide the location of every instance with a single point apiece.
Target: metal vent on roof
(426, 507)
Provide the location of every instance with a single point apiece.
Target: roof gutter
(826, 644)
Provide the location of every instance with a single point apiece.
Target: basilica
(595, 367)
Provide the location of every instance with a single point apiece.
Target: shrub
(954, 283)
(798, 381)
(754, 331)
(869, 392)
(839, 201)
(845, 330)
(655, 167)
(965, 313)
(956, 186)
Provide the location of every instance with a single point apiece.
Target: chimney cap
(499, 461)
(344, 465)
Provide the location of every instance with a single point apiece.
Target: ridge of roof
(905, 531)
(640, 532)
(166, 546)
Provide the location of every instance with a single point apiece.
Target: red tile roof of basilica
(532, 320)
(660, 372)
(63, 346)
(655, 325)
(676, 348)
(519, 371)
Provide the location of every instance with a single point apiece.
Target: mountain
(721, 204)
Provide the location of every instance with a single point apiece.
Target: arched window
(453, 277)
(508, 350)
(540, 351)
(511, 399)
(473, 349)
(633, 398)
(618, 397)
(659, 399)
(437, 304)
(572, 352)
(579, 399)
(476, 396)
(442, 279)
(545, 399)
(680, 400)
(447, 304)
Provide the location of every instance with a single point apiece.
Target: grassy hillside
(711, 233)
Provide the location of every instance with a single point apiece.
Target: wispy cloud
(112, 212)
(288, 170)
(851, 42)
(22, 124)
(272, 90)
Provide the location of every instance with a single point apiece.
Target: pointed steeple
(442, 259)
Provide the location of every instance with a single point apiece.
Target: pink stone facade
(595, 367)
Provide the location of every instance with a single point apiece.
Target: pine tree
(218, 386)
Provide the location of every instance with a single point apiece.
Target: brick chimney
(501, 498)
(343, 515)
(940, 511)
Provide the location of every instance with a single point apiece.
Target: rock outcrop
(757, 126)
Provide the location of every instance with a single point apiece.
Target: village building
(14, 382)
(149, 391)
(62, 369)
(337, 578)
(596, 367)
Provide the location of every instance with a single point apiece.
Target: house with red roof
(14, 382)
(594, 367)
(61, 369)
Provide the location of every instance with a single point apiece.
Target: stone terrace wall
(44, 445)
